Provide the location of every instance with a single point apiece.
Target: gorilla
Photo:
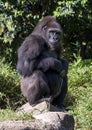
(44, 73)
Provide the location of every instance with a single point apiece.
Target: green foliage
(11, 16)
(8, 114)
(64, 8)
(9, 86)
(17, 20)
(75, 17)
(79, 98)
(8, 25)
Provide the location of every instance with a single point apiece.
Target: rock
(23, 125)
(45, 117)
(58, 120)
(45, 121)
(37, 109)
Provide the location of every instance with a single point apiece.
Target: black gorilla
(44, 73)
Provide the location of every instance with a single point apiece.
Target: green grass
(78, 99)
(8, 114)
(9, 86)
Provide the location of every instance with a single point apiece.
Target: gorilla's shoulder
(34, 39)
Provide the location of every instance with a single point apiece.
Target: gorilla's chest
(46, 54)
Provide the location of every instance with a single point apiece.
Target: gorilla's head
(49, 29)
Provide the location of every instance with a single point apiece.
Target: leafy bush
(74, 17)
(79, 98)
(10, 94)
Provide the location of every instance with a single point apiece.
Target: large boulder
(46, 117)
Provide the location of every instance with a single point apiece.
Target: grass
(78, 99)
(8, 114)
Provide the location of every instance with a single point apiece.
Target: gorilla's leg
(55, 84)
(58, 101)
(35, 87)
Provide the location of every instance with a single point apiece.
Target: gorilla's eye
(44, 28)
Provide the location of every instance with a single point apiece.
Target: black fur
(44, 72)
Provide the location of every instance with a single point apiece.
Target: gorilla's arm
(50, 63)
(58, 65)
(27, 54)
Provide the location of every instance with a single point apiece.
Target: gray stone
(59, 120)
(37, 109)
(45, 121)
(23, 125)
(46, 117)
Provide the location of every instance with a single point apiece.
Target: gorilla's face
(52, 35)
(54, 38)
(49, 29)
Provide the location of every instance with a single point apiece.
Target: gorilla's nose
(56, 38)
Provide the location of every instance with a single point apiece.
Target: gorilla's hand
(64, 70)
(63, 73)
(50, 63)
